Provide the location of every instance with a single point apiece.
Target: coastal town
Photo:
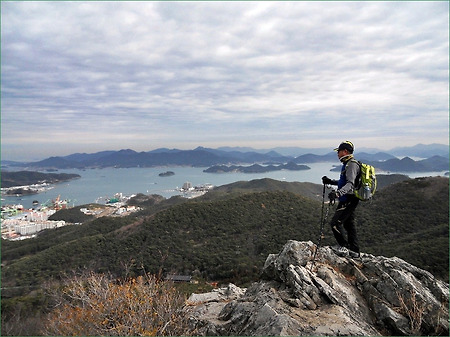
(19, 223)
(189, 191)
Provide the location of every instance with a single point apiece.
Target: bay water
(98, 185)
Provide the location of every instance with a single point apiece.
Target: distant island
(166, 174)
(256, 168)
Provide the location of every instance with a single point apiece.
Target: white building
(34, 227)
(187, 186)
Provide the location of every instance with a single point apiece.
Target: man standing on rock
(344, 217)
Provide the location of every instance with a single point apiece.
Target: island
(166, 174)
(256, 168)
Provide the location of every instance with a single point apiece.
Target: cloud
(176, 74)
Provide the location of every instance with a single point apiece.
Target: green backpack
(366, 182)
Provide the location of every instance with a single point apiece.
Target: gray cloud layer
(89, 76)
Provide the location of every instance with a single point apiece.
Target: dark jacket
(349, 172)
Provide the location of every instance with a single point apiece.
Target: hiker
(344, 216)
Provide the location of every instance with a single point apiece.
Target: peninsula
(29, 182)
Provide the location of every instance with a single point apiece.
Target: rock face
(372, 295)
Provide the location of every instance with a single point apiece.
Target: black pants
(344, 219)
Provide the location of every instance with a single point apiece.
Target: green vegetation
(224, 240)
(410, 220)
(226, 235)
(229, 238)
(74, 214)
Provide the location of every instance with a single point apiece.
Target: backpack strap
(358, 180)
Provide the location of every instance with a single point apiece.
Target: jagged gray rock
(373, 295)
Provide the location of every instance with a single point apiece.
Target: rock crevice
(373, 295)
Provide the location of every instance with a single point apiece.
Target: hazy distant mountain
(435, 163)
(204, 157)
(432, 164)
(256, 168)
(250, 156)
(164, 150)
(314, 158)
(6, 163)
(419, 150)
(379, 156)
(283, 151)
(422, 150)
(130, 158)
(240, 149)
(332, 156)
(81, 157)
(55, 162)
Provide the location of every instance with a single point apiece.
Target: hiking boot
(339, 250)
(355, 255)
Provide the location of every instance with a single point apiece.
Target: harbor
(20, 223)
(189, 191)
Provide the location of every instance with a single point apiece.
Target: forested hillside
(410, 220)
(229, 239)
(225, 236)
(225, 240)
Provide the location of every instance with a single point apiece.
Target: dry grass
(97, 305)
(412, 309)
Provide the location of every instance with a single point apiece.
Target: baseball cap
(347, 145)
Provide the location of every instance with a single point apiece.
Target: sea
(99, 185)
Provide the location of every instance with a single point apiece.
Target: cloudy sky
(92, 76)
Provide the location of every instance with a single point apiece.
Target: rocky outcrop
(372, 295)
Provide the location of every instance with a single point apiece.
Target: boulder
(372, 295)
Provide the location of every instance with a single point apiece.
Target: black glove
(333, 195)
(326, 180)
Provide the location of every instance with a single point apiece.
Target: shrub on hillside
(97, 305)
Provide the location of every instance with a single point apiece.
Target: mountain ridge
(204, 157)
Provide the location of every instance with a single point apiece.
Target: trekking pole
(323, 220)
